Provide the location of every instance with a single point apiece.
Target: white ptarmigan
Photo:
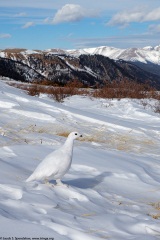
(56, 164)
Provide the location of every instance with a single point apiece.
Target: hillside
(114, 179)
(147, 58)
(60, 67)
(143, 55)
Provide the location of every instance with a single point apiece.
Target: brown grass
(156, 206)
(63, 134)
(155, 216)
(96, 137)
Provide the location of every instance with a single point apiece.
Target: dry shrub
(114, 89)
(157, 107)
(33, 90)
(156, 206)
(47, 82)
(73, 87)
(155, 216)
(154, 107)
(58, 93)
(126, 89)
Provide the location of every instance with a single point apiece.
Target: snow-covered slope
(114, 180)
(144, 55)
(58, 65)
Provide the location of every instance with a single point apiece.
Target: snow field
(114, 179)
(144, 55)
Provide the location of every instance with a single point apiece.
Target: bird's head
(74, 135)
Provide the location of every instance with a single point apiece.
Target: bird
(57, 163)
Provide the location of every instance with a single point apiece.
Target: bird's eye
(75, 133)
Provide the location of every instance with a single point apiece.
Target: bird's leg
(47, 182)
(59, 183)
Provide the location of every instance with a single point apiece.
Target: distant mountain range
(148, 58)
(144, 55)
(91, 65)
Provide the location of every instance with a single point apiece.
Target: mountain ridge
(146, 54)
(60, 66)
(147, 58)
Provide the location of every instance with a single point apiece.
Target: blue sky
(43, 24)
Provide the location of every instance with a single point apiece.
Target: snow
(2, 54)
(79, 69)
(144, 55)
(148, 48)
(27, 52)
(114, 180)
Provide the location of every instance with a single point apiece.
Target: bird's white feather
(57, 163)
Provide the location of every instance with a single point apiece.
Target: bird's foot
(60, 184)
(48, 183)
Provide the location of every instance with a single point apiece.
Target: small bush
(114, 89)
(33, 90)
(125, 89)
(57, 93)
(157, 107)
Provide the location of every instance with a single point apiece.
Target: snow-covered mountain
(144, 55)
(91, 66)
